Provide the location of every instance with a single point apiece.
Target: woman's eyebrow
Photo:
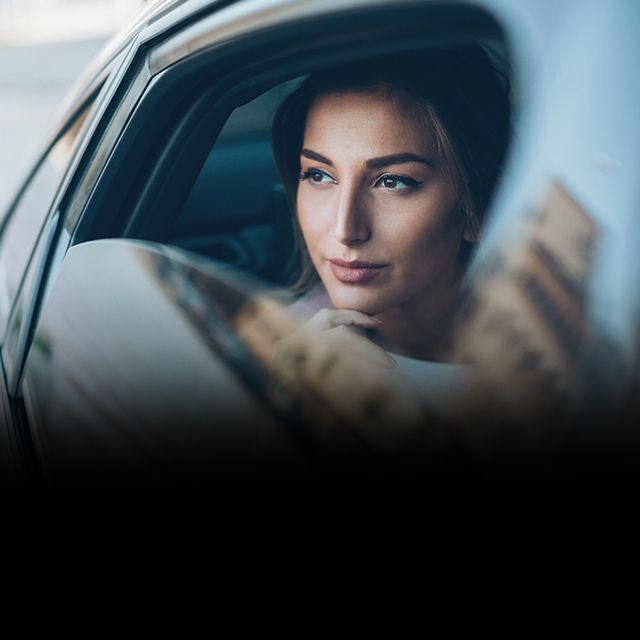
(374, 163)
(396, 158)
(312, 155)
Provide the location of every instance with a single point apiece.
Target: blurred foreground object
(546, 380)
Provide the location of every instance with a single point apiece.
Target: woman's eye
(316, 176)
(397, 182)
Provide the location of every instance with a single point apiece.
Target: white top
(435, 383)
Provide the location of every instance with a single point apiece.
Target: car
(143, 261)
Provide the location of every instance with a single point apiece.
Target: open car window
(185, 243)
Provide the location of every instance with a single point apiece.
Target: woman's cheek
(313, 219)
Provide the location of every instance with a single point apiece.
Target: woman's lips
(356, 271)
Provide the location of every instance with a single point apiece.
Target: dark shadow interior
(237, 211)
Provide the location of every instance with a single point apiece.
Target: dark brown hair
(465, 101)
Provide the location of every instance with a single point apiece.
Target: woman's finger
(302, 350)
(330, 318)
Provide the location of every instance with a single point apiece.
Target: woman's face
(377, 209)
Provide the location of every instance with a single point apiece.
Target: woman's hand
(339, 381)
(317, 347)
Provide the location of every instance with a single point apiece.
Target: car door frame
(150, 69)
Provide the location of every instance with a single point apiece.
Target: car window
(237, 211)
(120, 312)
(23, 228)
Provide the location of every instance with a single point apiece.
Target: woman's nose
(352, 223)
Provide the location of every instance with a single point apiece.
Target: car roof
(172, 13)
(161, 17)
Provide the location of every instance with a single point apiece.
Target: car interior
(237, 211)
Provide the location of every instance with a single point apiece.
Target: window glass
(237, 211)
(23, 228)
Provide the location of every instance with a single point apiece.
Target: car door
(144, 362)
(30, 238)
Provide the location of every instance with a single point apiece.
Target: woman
(390, 164)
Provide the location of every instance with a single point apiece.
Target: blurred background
(44, 46)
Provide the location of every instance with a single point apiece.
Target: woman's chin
(359, 300)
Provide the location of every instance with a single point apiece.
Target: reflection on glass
(23, 228)
(151, 365)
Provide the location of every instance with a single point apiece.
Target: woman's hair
(460, 93)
